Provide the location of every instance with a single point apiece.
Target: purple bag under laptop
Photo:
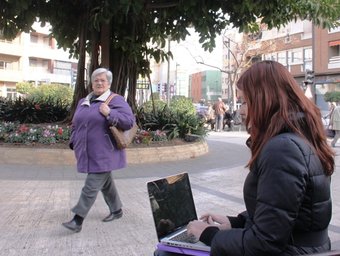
(185, 251)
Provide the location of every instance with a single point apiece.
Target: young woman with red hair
(287, 191)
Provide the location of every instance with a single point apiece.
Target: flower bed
(30, 134)
(57, 135)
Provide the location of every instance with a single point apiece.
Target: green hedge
(177, 120)
(34, 111)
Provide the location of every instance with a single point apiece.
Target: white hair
(98, 71)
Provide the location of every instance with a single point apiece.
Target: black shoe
(72, 225)
(113, 215)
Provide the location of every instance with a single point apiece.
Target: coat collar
(102, 97)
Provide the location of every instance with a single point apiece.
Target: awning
(334, 43)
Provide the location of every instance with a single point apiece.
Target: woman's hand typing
(220, 221)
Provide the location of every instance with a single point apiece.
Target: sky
(187, 53)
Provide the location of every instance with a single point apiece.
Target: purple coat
(95, 148)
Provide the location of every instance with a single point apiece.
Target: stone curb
(45, 156)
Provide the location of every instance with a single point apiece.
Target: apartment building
(299, 46)
(33, 57)
(205, 86)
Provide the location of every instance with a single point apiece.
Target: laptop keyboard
(185, 237)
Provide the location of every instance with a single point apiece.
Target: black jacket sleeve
(239, 221)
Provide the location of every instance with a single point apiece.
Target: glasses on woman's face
(100, 81)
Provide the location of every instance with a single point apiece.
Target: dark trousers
(219, 122)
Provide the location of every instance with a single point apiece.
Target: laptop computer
(173, 207)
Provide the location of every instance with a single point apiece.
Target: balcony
(9, 75)
(11, 49)
(334, 62)
(42, 74)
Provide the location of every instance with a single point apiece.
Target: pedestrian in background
(211, 116)
(219, 109)
(332, 106)
(228, 120)
(95, 149)
(287, 191)
(335, 124)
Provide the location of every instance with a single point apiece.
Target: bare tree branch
(202, 61)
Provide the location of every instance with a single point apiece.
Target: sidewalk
(37, 199)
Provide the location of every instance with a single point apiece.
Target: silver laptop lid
(172, 203)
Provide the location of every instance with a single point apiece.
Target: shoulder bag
(122, 138)
(330, 133)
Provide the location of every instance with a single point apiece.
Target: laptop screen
(172, 203)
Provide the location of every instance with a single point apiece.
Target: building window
(334, 54)
(282, 58)
(11, 93)
(33, 62)
(45, 64)
(62, 68)
(34, 38)
(334, 30)
(296, 56)
(334, 49)
(46, 41)
(38, 65)
(270, 56)
(2, 64)
(6, 65)
(307, 59)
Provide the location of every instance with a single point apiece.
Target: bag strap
(110, 98)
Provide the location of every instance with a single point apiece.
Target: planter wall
(45, 156)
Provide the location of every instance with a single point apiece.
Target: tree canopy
(123, 35)
(333, 96)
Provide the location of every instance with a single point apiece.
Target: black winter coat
(288, 202)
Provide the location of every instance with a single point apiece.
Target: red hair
(275, 104)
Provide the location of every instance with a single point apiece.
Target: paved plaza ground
(36, 199)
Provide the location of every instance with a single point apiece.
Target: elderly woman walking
(95, 148)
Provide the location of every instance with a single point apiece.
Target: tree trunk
(80, 87)
(94, 64)
(131, 99)
(124, 76)
(124, 70)
(105, 41)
